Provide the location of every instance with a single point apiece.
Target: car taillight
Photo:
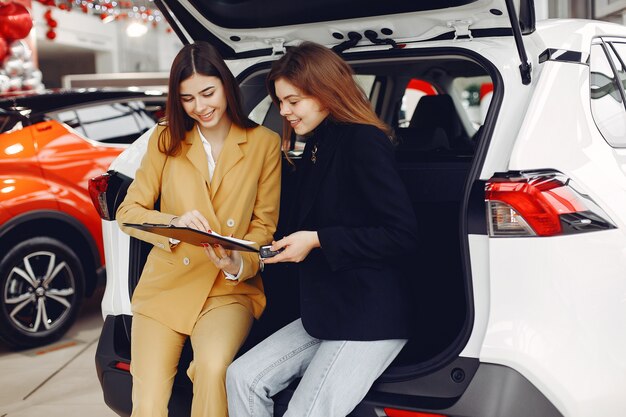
(97, 190)
(540, 204)
(392, 412)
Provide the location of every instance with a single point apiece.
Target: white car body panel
(129, 160)
(116, 299)
(557, 304)
(580, 33)
(479, 258)
(557, 310)
(572, 143)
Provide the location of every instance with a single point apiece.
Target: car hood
(247, 28)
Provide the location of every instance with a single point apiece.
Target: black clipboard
(193, 236)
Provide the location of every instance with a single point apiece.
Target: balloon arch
(18, 70)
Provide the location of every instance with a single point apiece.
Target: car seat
(438, 112)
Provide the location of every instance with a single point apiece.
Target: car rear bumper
(494, 390)
(116, 383)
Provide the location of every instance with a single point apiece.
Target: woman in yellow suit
(213, 168)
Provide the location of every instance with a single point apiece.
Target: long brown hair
(203, 59)
(319, 72)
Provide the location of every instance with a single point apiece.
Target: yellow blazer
(241, 199)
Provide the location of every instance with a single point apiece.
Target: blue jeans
(336, 374)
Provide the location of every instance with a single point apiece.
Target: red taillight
(123, 366)
(392, 412)
(97, 190)
(540, 204)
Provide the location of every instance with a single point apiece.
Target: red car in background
(51, 253)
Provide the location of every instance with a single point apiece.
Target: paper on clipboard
(196, 237)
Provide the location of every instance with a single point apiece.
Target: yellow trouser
(155, 351)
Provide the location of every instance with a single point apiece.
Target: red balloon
(15, 21)
(4, 49)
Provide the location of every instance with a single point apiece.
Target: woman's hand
(296, 247)
(192, 219)
(228, 261)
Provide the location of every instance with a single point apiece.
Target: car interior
(435, 142)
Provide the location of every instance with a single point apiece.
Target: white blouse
(209, 154)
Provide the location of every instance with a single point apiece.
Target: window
(259, 113)
(475, 94)
(366, 82)
(472, 93)
(413, 92)
(430, 107)
(9, 124)
(607, 97)
(112, 123)
(618, 55)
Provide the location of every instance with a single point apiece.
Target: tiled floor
(57, 380)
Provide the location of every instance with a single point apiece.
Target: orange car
(51, 253)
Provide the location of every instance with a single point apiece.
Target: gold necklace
(314, 154)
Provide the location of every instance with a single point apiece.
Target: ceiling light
(136, 29)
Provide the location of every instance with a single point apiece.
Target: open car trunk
(437, 138)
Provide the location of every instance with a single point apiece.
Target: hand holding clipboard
(196, 237)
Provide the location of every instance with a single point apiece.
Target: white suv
(512, 145)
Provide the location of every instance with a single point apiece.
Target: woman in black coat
(355, 228)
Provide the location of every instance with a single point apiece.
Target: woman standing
(355, 226)
(213, 169)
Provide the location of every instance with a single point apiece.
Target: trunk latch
(277, 44)
(461, 28)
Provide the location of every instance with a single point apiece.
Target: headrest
(437, 111)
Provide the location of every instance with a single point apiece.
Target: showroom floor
(57, 380)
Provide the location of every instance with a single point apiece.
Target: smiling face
(303, 112)
(204, 100)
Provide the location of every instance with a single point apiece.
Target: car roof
(51, 100)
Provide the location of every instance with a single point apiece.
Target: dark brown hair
(197, 58)
(319, 72)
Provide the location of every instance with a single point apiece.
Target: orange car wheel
(42, 283)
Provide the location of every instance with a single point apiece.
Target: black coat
(352, 288)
